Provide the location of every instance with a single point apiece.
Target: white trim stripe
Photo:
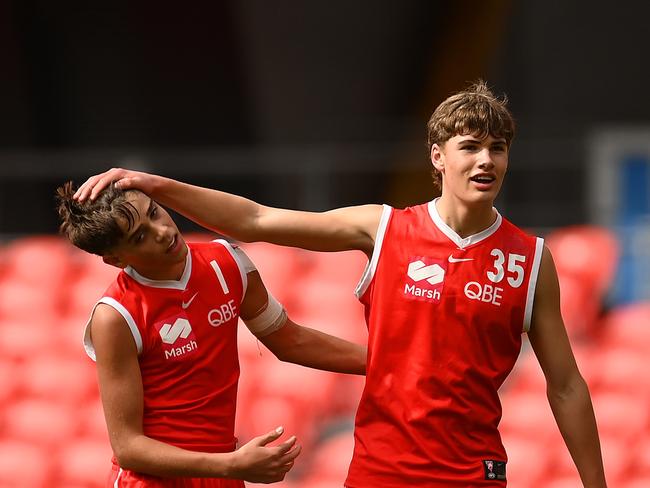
(244, 263)
(371, 267)
(532, 283)
(87, 339)
(117, 480)
(461, 242)
(222, 280)
(181, 284)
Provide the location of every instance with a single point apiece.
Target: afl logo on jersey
(425, 278)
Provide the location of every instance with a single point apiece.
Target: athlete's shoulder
(122, 285)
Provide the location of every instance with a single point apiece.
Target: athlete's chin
(478, 197)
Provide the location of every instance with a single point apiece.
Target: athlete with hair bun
(164, 337)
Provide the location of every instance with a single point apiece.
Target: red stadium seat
(566, 481)
(341, 268)
(628, 326)
(21, 341)
(331, 460)
(313, 482)
(588, 252)
(9, 382)
(23, 301)
(24, 464)
(616, 459)
(636, 482)
(527, 375)
(84, 462)
(41, 261)
(528, 414)
(40, 423)
(59, 379)
(624, 371)
(620, 416)
(586, 258)
(528, 460)
(280, 267)
(303, 386)
(92, 423)
(580, 306)
(642, 456)
(264, 414)
(332, 308)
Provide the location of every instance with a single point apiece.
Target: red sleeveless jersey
(186, 335)
(445, 316)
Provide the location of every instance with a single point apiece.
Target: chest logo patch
(177, 337)
(425, 278)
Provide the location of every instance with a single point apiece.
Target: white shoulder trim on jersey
(371, 267)
(181, 284)
(532, 283)
(451, 233)
(88, 343)
(117, 480)
(244, 264)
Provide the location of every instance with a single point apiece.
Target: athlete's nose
(161, 233)
(485, 159)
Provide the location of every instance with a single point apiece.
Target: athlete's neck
(156, 272)
(466, 219)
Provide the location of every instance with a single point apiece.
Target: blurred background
(315, 105)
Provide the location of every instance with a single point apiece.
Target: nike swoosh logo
(459, 260)
(187, 304)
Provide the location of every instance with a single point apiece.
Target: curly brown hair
(94, 225)
(475, 111)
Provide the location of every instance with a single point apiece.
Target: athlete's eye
(154, 212)
(139, 238)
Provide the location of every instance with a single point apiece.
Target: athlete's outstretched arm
(120, 384)
(294, 343)
(245, 220)
(567, 391)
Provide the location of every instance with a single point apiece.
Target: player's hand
(258, 463)
(125, 179)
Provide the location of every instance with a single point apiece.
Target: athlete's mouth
(484, 178)
(172, 244)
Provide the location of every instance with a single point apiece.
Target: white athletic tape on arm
(271, 319)
(243, 260)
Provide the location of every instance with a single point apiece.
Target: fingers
(93, 186)
(289, 457)
(263, 440)
(287, 445)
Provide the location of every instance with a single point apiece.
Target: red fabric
(121, 478)
(190, 385)
(429, 412)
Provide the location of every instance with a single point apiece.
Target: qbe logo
(425, 278)
(177, 337)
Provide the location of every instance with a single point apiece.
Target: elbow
(561, 392)
(125, 455)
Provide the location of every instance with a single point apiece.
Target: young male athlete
(449, 288)
(164, 337)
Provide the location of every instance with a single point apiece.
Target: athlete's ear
(113, 260)
(437, 157)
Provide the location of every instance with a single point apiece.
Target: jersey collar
(180, 284)
(461, 242)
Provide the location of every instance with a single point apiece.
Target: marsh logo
(426, 277)
(177, 338)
